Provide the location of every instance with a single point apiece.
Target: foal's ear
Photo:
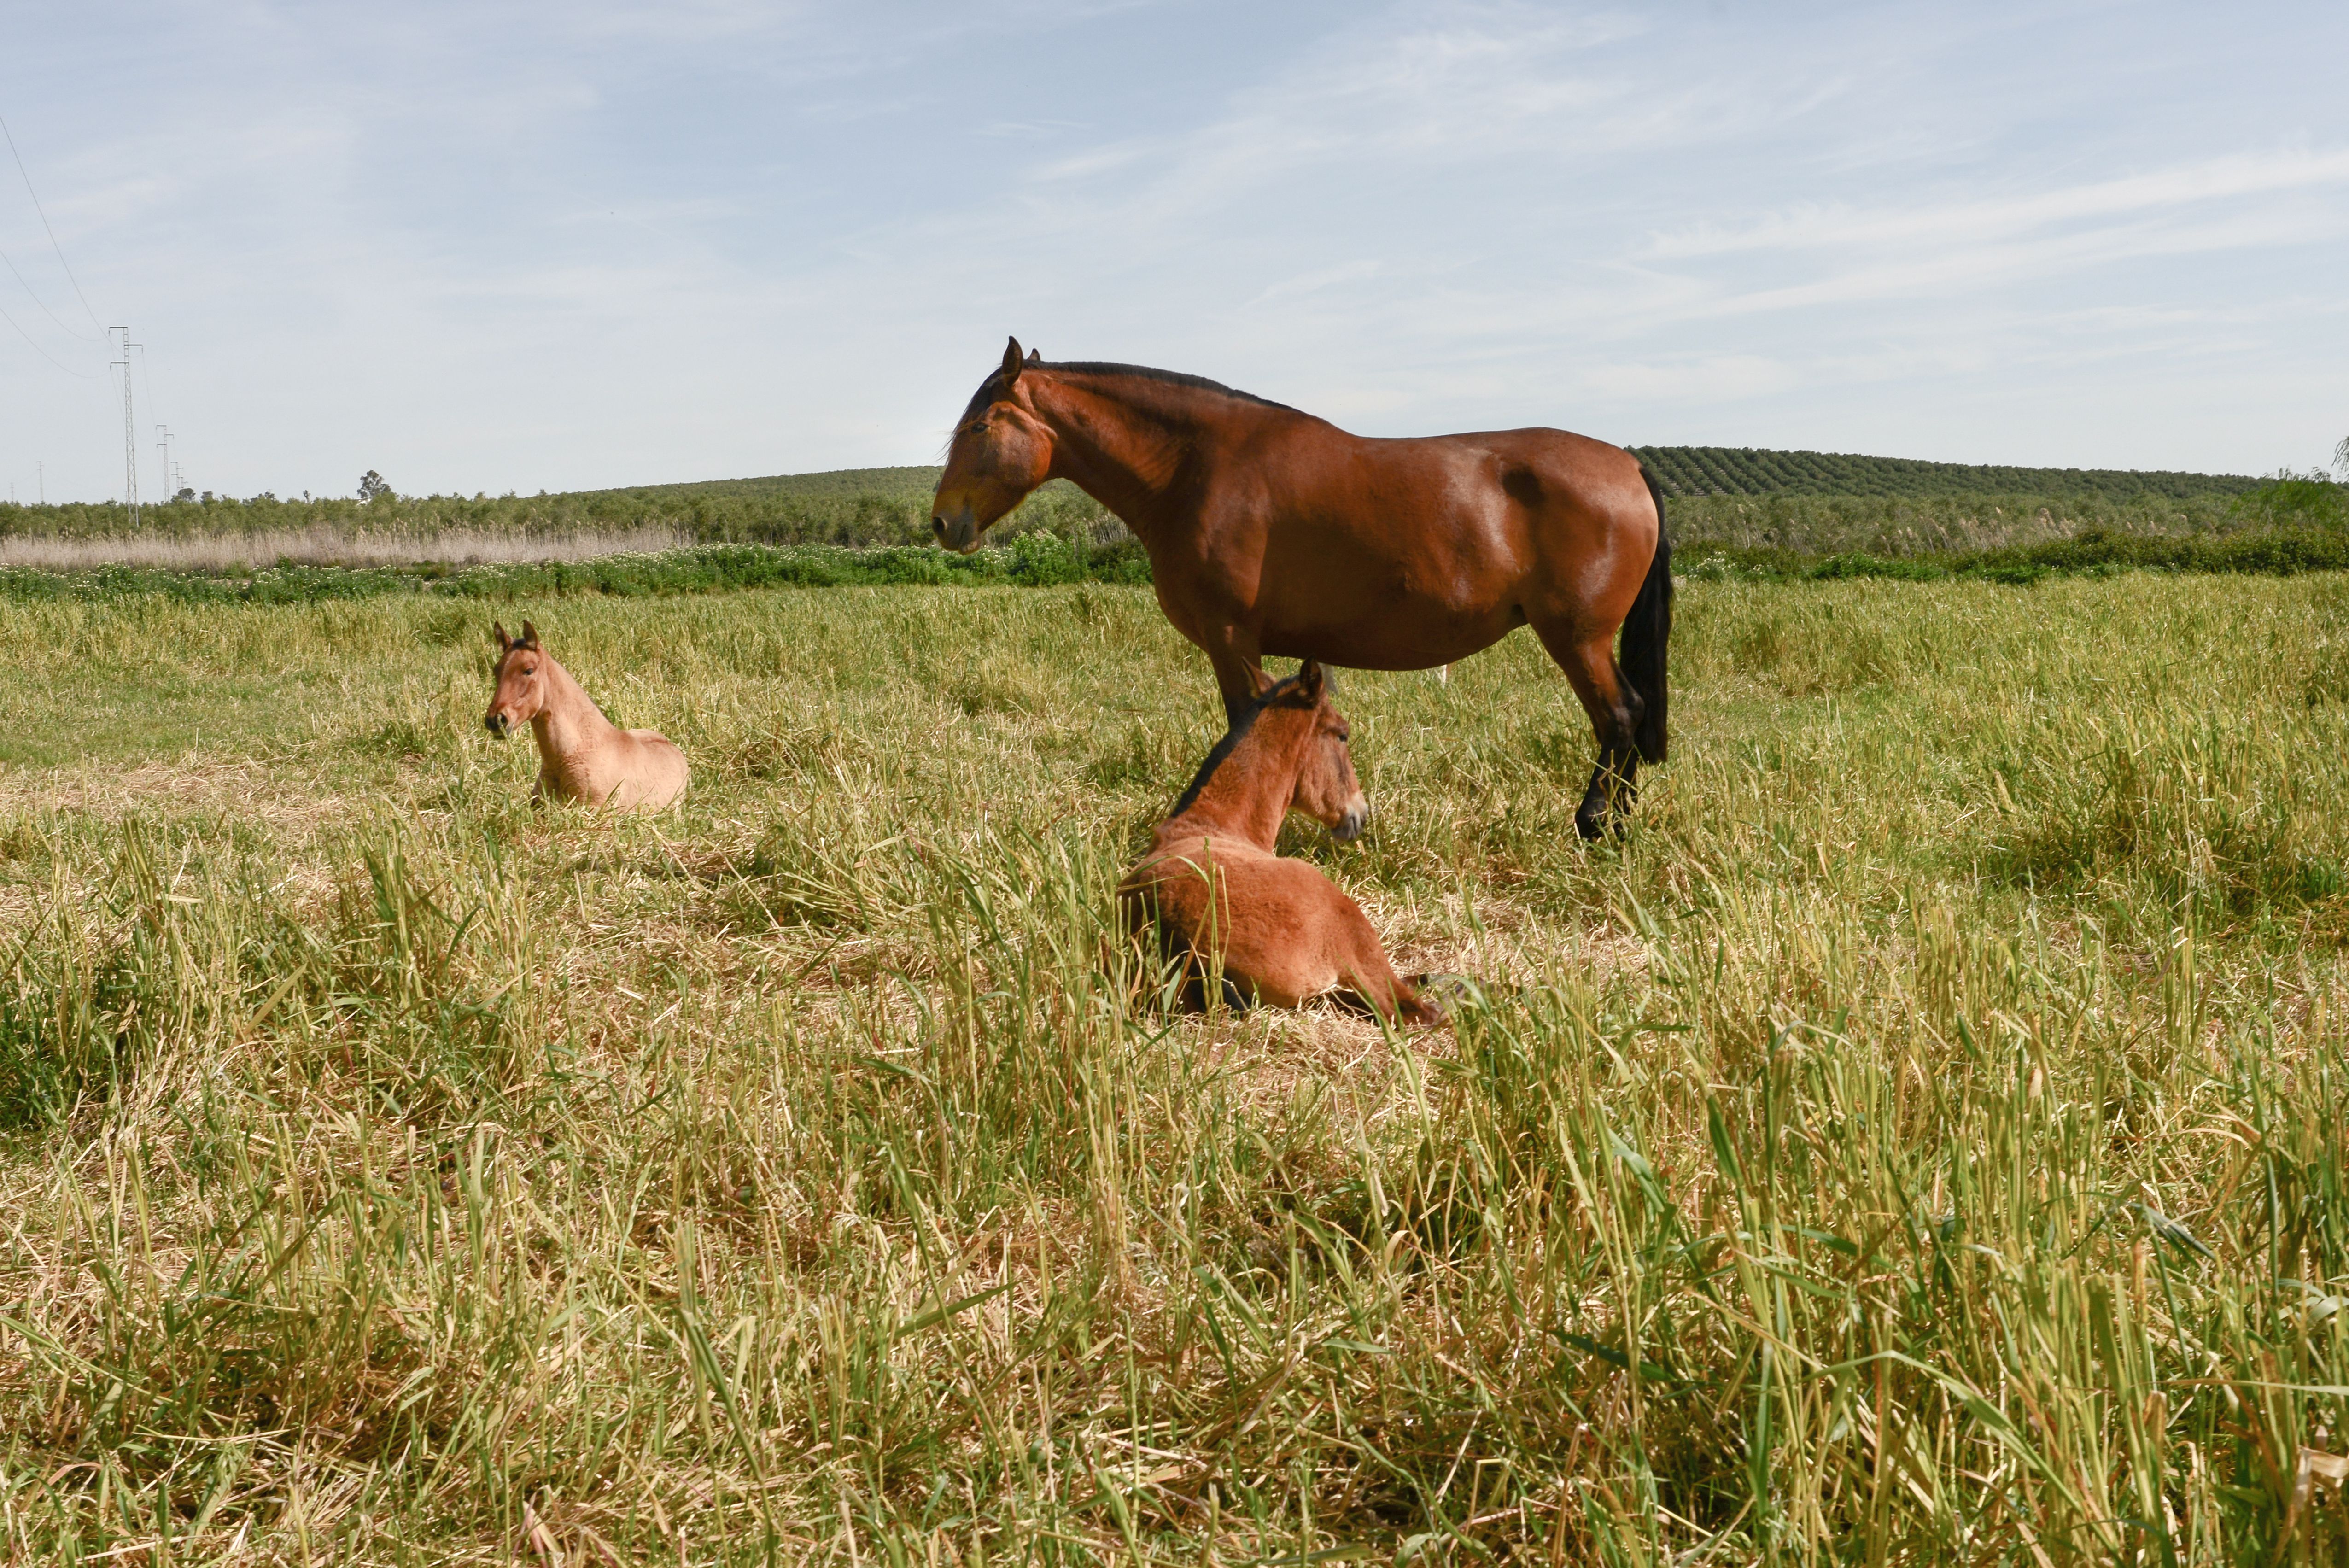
(528, 638)
(1312, 681)
(498, 635)
(1011, 362)
(1262, 682)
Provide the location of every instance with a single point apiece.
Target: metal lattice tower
(129, 431)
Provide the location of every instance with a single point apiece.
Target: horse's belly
(1397, 637)
(1338, 596)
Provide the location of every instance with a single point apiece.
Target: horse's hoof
(1590, 829)
(1453, 989)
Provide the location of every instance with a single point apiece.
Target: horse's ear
(1011, 363)
(498, 635)
(1312, 681)
(1035, 357)
(528, 638)
(1262, 682)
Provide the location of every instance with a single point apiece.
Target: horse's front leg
(1238, 660)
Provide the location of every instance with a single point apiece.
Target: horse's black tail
(1646, 631)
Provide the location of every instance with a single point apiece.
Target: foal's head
(1001, 450)
(1326, 788)
(1293, 742)
(520, 692)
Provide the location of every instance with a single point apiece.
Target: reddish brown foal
(1272, 532)
(582, 755)
(1278, 929)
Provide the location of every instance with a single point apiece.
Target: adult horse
(1272, 532)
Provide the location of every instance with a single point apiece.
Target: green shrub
(2295, 500)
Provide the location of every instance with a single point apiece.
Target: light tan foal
(582, 755)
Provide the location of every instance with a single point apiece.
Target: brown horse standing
(582, 755)
(1279, 929)
(1272, 532)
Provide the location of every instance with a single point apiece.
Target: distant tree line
(1812, 503)
(1699, 471)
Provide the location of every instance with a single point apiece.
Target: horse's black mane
(990, 388)
(1232, 738)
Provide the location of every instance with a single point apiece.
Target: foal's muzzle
(496, 724)
(1349, 826)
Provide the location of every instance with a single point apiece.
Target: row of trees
(740, 512)
(1695, 471)
(1783, 499)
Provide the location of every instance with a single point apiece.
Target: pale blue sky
(493, 246)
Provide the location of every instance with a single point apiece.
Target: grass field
(1917, 1142)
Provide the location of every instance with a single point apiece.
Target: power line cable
(11, 139)
(43, 353)
(40, 301)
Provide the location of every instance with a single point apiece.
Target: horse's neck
(568, 722)
(1246, 796)
(1126, 446)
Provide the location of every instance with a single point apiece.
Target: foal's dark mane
(1232, 738)
(990, 390)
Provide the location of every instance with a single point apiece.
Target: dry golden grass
(1917, 1142)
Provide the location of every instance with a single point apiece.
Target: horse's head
(1326, 789)
(1001, 450)
(522, 680)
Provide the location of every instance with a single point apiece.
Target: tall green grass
(1917, 1142)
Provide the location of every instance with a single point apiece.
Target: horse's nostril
(938, 525)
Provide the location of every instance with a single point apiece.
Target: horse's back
(1546, 471)
(654, 775)
(1313, 463)
(1409, 553)
(1554, 488)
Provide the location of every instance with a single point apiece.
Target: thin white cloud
(1941, 272)
(1841, 226)
(1316, 282)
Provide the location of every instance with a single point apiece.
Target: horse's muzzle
(496, 724)
(1349, 826)
(958, 533)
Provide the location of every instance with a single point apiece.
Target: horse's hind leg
(1365, 976)
(1614, 709)
(1386, 994)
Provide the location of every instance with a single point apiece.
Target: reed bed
(323, 545)
(1917, 1142)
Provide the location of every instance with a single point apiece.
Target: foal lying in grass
(582, 755)
(1280, 930)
